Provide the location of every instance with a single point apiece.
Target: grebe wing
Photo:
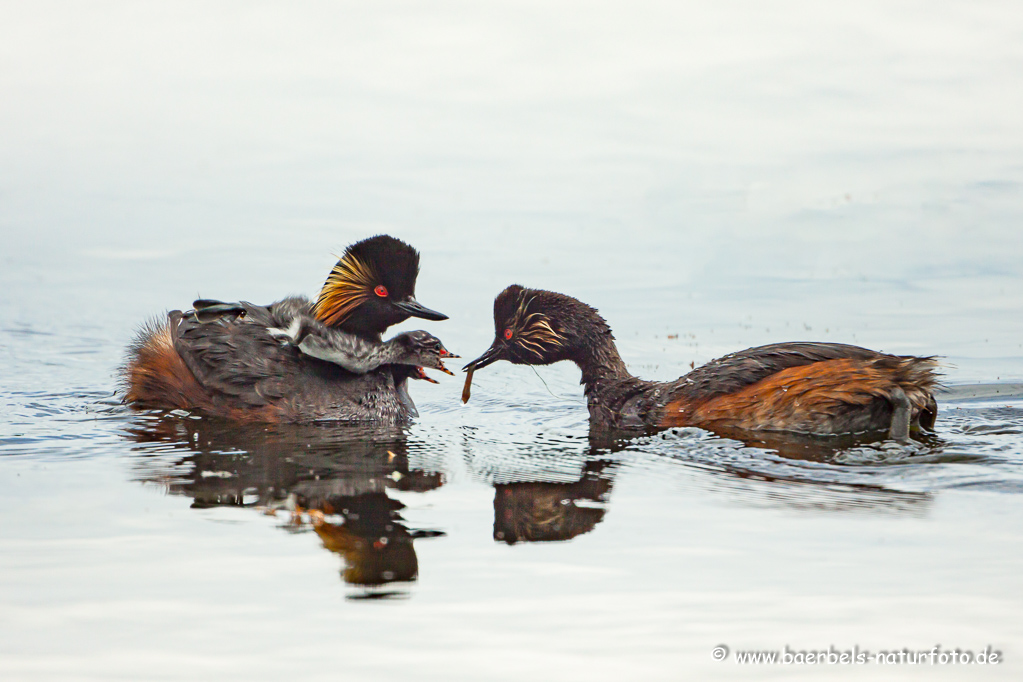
(233, 356)
(735, 371)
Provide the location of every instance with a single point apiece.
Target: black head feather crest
(378, 261)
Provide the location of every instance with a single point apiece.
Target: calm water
(710, 179)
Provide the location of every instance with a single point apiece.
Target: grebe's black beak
(492, 355)
(415, 309)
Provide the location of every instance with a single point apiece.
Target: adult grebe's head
(538, 327)
(372, 287)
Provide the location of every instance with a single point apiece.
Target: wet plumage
(237, 360)
(801, 387)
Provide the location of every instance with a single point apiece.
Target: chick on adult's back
(231, 360)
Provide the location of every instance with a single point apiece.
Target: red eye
(508, 334)
(381, 291)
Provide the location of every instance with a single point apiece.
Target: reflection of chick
(544, 512)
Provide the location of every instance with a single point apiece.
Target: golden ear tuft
(535, 329)
(348, 285)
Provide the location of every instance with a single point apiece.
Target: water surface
(710, 179)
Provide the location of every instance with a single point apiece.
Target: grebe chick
(808, 388)
(360, 355)
(221, 358)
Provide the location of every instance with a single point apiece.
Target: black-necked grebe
(295, 360)
(810, 388)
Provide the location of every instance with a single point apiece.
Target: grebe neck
(604, 373)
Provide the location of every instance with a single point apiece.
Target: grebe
(295, 360)
(807, 388)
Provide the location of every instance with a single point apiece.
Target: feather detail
(154, 374)
(348, 285)
(534, 329)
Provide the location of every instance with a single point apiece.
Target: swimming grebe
(810, 388)
(295, 360)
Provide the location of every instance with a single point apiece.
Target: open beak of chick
(420, 373)
(446, 354)
(443, 353)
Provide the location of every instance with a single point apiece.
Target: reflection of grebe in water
(338, 481)
(371, 537)
(544, 512)
(332, 479)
